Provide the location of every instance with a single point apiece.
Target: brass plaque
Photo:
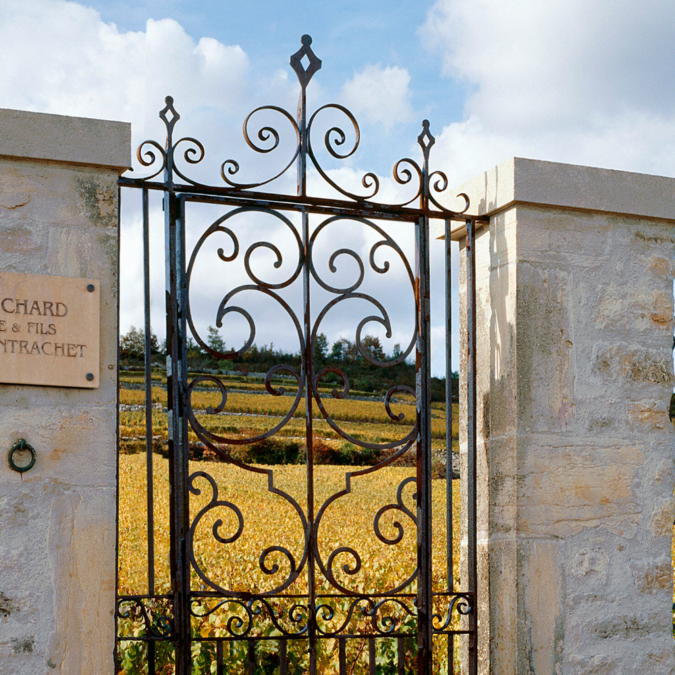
(49, 330)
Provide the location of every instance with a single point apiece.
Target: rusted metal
(367, 615)
(449, 573)
(423, 397)
(149, 464)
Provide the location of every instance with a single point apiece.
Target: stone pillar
(59, 216)
(575, 456)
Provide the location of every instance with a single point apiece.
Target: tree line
(343, 354)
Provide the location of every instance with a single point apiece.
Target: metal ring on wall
(19, 446)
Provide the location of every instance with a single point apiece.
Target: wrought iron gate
(313, 597)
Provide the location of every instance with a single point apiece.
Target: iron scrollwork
(266, 139)
(307, 612)
(458, 605)
(149, 617)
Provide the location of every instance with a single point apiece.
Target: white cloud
(380, 95)
(61, 57)
(586, 81)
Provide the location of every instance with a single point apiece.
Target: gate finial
(426, 140)
(305, 74)
(169, 115)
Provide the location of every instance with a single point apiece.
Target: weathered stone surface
(58, 138)
(566, 488)
(57, 521)
(575, 449)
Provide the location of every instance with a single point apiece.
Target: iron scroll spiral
(294, 568)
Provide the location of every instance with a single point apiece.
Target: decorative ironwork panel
(309, 588)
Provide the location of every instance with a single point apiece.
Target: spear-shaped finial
(314, 63)
(426, 140)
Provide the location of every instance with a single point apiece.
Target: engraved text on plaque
(49, 330)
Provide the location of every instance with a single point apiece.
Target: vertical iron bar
(307, 358)
(302, 126)
(423, 385)
(151, 658)
(343, 655)
(424, 453)
(449, 573)
(471, 441)
(400, 648)
(308, 366)
(148, 399)
(176, 383)
(251, 657)
(451, 654)
(448, 407)
(148, 418)
(220, 669)
(283, 657)
(117, 434)
(176, 377)
(372, 665)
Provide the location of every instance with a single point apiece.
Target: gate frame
(175, 196)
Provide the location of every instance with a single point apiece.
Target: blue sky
(348, 34)
(584, 82)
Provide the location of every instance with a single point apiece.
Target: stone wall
(575, 453)
(59, 216)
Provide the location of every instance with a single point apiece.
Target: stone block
(63, 139)
(575, 449)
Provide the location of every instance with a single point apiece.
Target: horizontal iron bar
(286, 638)
(146, 638)
(319, 636)
(321, 205)
(215, 594)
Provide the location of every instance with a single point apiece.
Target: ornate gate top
(426, 186)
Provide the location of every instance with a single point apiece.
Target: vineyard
(250, 411)
(347, 522)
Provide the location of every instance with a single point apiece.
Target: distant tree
(320, 348)
(350, 351)
(133, 343)
(252, 353)
(193, 350)
(373, 347)
(345, 351)
(337, 352)
(214, 340)
(397, 351)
